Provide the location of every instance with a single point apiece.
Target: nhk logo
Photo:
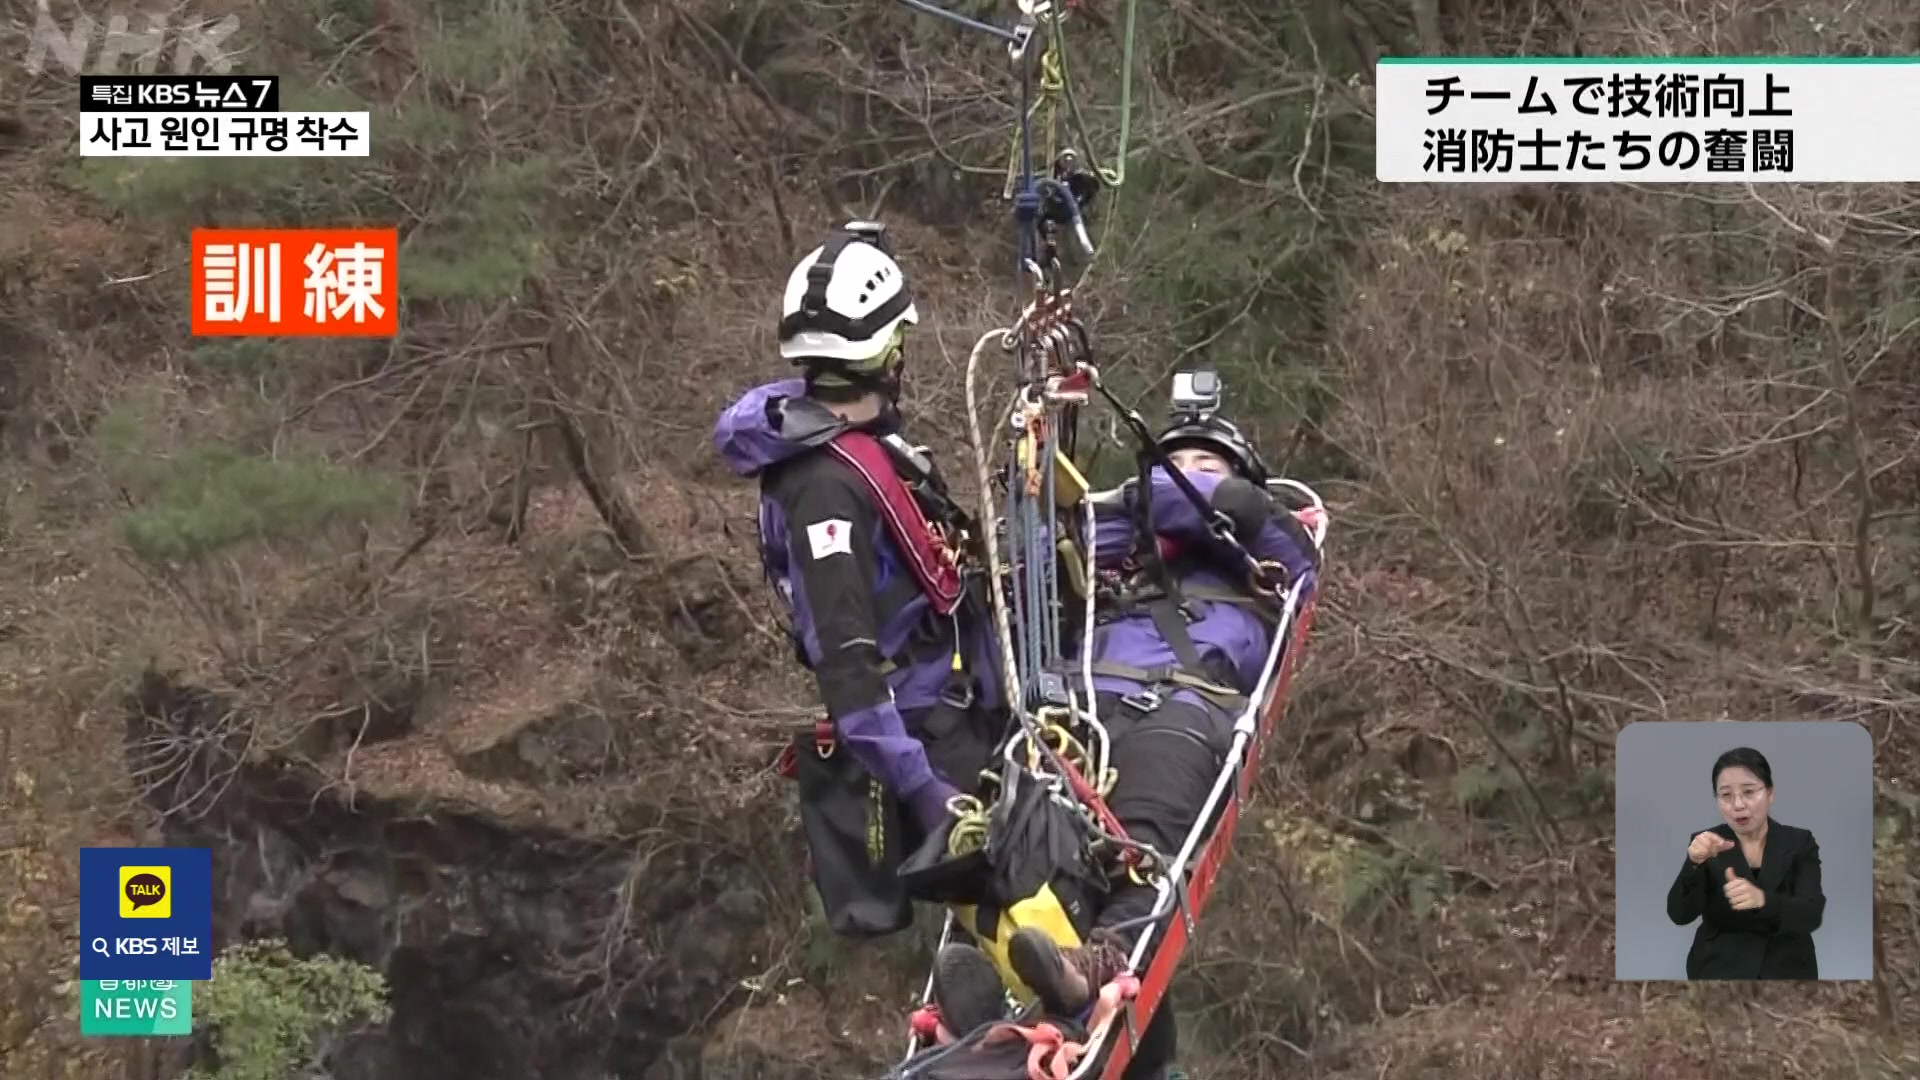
(116, 38)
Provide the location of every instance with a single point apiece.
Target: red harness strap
(788, 765)
(1043, 1044)
(934, 565)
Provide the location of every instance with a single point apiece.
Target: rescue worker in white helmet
(866, 549)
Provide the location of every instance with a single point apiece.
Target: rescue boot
(967, 989)
(1065, 980)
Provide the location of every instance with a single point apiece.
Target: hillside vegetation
(459, 638)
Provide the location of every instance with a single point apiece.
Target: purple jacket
(1222, 630)
(859, 620)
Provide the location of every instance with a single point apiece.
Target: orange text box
(295, 282)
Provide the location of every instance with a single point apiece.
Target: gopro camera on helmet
(873, 232)
(1196, 393)
(1196, 398)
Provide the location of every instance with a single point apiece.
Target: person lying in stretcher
(1173, 669)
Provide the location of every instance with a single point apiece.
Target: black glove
(1246, 504)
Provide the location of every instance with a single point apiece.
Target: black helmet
(1205, 431)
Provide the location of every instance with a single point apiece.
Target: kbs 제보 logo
(146, 913)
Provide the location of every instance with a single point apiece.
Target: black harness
(1158, 593)
(808, 423)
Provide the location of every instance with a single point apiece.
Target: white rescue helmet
(845, 301)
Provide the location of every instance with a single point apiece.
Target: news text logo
(136, 1007)
(146, 914)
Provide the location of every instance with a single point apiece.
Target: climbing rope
(1034, 540)
(1115, 177)
(996, 565)
(969, 833)
(1070, 750)
(1051, 353)
(972, 814)
(1052, 83)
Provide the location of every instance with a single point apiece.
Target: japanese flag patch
(831, 537)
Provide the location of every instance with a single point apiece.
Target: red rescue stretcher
(1185, 886)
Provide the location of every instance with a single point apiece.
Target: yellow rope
(1052, 85)
(1074, 753)
(970, 827)
(1052, 81)
(1115, 177)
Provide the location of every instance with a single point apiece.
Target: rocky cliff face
(513, 949)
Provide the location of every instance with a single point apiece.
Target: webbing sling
(933, 566)
(1188, 669)
(1263, 607)
(1173, 675)
(1168, 613)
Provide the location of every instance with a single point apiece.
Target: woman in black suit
(1753, 883)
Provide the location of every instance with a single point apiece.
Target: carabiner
(1022, 37)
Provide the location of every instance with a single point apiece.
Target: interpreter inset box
(1744, 850)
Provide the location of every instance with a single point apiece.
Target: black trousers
(1168, 761)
